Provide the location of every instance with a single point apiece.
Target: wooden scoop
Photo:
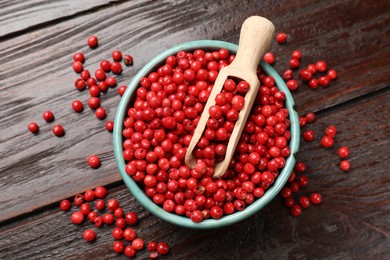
(255, 37)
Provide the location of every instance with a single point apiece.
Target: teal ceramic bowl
(156, 210)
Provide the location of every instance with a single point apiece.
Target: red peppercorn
(58, 130)
(77, 218)
(305, 75)
(100, 205)
(89, 235)
(108, 218)
(138, 244)
(89, 195)
(294, 63)
(324, 81)
(296, 210)
(77, 66)
(111, 81)
(129, 251)
(327, 141)
(304, 202)
(332, 74)
(94, 102)
(100, 192)
(78, 199)
(345, 165)
(315, 198)
(92, 216)
(116, 55)
(92, 41)
(343, 152)
(296, 54)
(121, 90)
(128, 60)
(48, 116)
(112, 204)
(129, 234)
(292, 84)
(101, 113)
(308, 135)
(117, 233)
(116, 68)
(65, 205)
(85, 209)
(162, 248)
(321, 66)
(98, 221)
(313, 83)
(94, 91)
(269, 58)
(94, 161)
(77, 106)
(79, 84)
(110, 126)
(331, 131)
(78, 56)
(310, 117)
(118, 247)
(33, 127)
(131, 218)
(105, 65)
(288, 74)
(281, 37)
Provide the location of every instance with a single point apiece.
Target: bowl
(184, 221)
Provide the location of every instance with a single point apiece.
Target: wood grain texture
(19, 16)
(351, 223)
(36, 75)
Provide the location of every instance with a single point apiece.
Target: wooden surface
(37, 42)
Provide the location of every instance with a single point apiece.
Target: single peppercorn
(315, 198)
(269, 58)
(110, 126)
(345, 165)
(89, 235)
(128, 60)
(65, 205)
(77, 218)
(33, 127)
(94, 161)
(77, 66)
(48, 116)
(78, 56)
(343, 152)
(281, 37)
(92, 41)
(58, 130)
(118, 247)
(77, 106)
(327, 141)
(100, 192)
(162, 248)
(100, 113)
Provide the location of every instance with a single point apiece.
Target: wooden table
(37, 42)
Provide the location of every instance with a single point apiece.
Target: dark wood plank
(351, 223)
(18, 16)
(35, 75)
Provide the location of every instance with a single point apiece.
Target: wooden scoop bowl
(255, 37)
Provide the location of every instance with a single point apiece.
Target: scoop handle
(255, 37)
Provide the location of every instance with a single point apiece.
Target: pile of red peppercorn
(163, 117)
(115, 215)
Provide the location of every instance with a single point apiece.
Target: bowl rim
(225, 220)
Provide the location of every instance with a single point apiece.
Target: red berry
(327, 141)
(120, 222)
(102, 85)
(48, 116)
(292, 84)
(94, 91)
(101, 113)
(77, 66)
(91, 82)
(100, 205)
(110, 126)
(331, 131)
(79, 84)
(100, 192)
(162, 248)
(308, 135)
(105, 65)
(310, 117)
(112, 204)
(121, 90)
(94, 102)
(313, 83)
(58, 130)
(116, 68)
(100, 74)
(332, 74)
(294, 63)
(118, 247)
(238, 102)
(288, 74)
(131, 218)
(324, 81)
(343, 152)
(305, 75)
(89, 235)
(129, 234)
(138, 244)
(117, 233)
(116, 55)
(65, 205)
(94, 161)
(269, 58)
(281, 37)
(77, 218)
(85, 209)
(78, 199)
(92, 216)
(128, 60)
(296, 210)
(93, 41)
(111, 81)
(33, 127)
(78, 56)
(296, 54)
(304, 202)
(315, 198)
(129, 251)
(321, 66)
(98, 221)
(345, 165)
(152, 246)
(108, 218)
(77, 106)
